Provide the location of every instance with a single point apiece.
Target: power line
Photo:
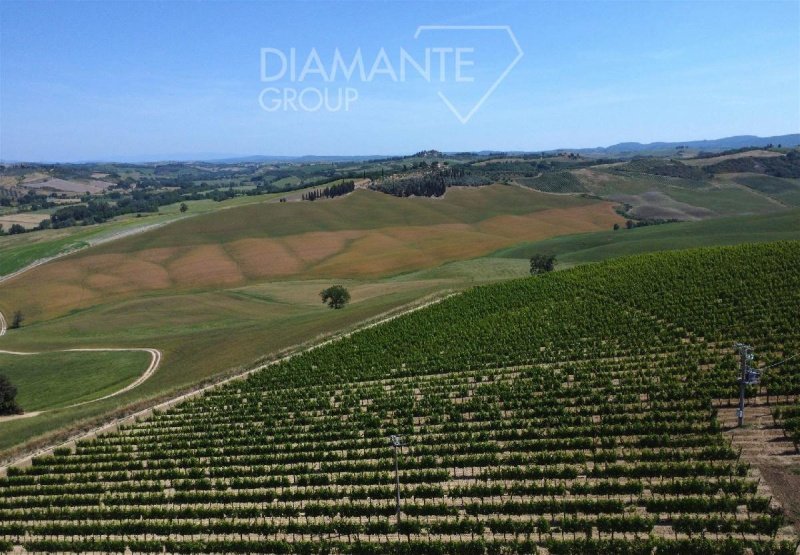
(779, 363)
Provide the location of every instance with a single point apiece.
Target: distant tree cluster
(219, 195)
(99, 211)
(331, 191)
(428, 154)
(659, 166)
(776, 166)
(33, 201)
(631, 224)
(433, 182)
(705, 154)
(542, 263)
(13, 229)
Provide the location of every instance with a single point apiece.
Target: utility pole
(747, 375)
(397, 443)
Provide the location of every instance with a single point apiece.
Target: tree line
(331, 191)
(432, 182)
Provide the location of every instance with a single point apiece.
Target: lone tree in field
(335, 296)
(16, 321)
(184, 207)
(542, 263)
(7, 394)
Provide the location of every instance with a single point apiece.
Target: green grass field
(202, 335)
(53, 380)
(725, 200)
(696, 198)
(594, 247)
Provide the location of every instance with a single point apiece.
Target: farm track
(155, 362)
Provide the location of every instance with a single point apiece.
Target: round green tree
(335, 296)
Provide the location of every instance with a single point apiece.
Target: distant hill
(616, 150)
(712, 145)
(306, 159)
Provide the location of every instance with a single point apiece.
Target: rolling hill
(597, 431)
(215, 292)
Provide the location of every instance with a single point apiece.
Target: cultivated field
(206, 305)
(594, 247)
(364, 235)
(28, 221)
(591, 432)
(70, 186)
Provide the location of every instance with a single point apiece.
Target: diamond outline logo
(507, 28)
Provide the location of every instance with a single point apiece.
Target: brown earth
(86, 279)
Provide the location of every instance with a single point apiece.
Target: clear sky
(154, 80)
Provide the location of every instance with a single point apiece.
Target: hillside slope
(366, 234)
(570, 411)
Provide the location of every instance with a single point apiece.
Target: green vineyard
(554, 182)
(567, 413)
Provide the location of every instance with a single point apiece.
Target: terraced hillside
(570, 412)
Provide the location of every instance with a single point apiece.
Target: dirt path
(771, 454)
(19, 416)
(155, 361)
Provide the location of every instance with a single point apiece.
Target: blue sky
(154, 80)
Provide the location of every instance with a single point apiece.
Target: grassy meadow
(52, 380)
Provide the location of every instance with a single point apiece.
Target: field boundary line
(25, 459)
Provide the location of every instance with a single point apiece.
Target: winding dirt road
(155, 361)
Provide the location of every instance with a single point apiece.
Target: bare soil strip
(772, 456)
